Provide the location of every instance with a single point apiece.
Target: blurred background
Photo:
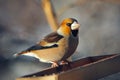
(23, 23)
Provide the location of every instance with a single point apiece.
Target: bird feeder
(90, 68)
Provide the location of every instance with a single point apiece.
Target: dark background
(23, 23)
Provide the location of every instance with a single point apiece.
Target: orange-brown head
(69, 26)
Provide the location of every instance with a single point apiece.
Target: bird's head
(69, 26)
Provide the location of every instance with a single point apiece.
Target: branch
(50, 14)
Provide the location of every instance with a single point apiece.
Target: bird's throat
(74, 33)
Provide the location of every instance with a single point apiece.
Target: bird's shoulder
(53, 37)
(50, 39)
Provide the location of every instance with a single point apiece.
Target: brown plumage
(56, 46)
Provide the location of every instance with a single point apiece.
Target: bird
(57, 46)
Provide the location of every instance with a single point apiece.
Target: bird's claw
(64, 62)
(54, 64)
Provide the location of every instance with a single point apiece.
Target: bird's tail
(18, 54)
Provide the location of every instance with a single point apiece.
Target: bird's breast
(72, 46)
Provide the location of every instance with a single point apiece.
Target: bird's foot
(64, 62)
(54, 64)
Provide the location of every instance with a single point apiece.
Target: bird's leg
(64, 62)
(54, 64)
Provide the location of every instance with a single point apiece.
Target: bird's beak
(75, 26)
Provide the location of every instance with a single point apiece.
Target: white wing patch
(50, 44)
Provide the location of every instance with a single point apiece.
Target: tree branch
(50, 14)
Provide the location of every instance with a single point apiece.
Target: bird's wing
(35, 47)
(53, 37)
(39, 47)
(50, 41)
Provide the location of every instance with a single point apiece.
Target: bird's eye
(68, 24)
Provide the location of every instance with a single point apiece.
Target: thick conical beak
(75, 26)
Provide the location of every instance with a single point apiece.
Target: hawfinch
(57, 46)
